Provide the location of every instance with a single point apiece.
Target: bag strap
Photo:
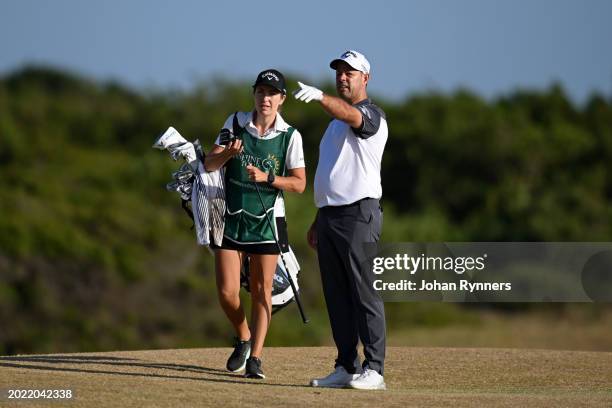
(236, 129)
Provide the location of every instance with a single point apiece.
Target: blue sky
(490, 47)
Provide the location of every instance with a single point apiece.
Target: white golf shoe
(368, 380)
(340, 378)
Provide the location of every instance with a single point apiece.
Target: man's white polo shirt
(350, 159)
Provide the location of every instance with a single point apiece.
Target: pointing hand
(308, 93)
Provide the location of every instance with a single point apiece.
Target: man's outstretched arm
(333, 105)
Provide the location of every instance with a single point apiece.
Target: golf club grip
(296, 294)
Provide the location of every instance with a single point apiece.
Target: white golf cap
(355, 59)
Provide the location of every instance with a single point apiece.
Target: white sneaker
(340, 378)
(368, 380)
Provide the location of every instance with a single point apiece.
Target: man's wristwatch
(271, 177)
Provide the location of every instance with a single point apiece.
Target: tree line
(95, 254)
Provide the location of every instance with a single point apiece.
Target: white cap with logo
(355, 59)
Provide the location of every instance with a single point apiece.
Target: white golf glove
(308, 93)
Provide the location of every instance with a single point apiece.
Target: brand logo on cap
(349, 54)
(269, 75)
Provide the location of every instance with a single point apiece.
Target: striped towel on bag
(208, 205)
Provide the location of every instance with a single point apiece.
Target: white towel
(207, 192)
(208, 205)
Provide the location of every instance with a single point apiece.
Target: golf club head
(170, 137)
(184, 174)
(184, 189)
(173, 186)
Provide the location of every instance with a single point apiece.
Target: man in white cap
(347, 191)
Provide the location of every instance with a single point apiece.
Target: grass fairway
(419, 377)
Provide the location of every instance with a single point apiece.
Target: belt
(348, 205)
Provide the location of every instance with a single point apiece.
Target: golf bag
(202, 193)
(282, 294)
(183, 184)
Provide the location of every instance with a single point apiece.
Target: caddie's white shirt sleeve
(295, 152)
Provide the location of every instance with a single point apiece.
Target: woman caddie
(265, 150)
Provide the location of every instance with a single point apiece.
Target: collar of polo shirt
(279, 126)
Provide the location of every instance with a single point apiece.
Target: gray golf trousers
(356, 311)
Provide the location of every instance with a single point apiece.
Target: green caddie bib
(245, 219)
